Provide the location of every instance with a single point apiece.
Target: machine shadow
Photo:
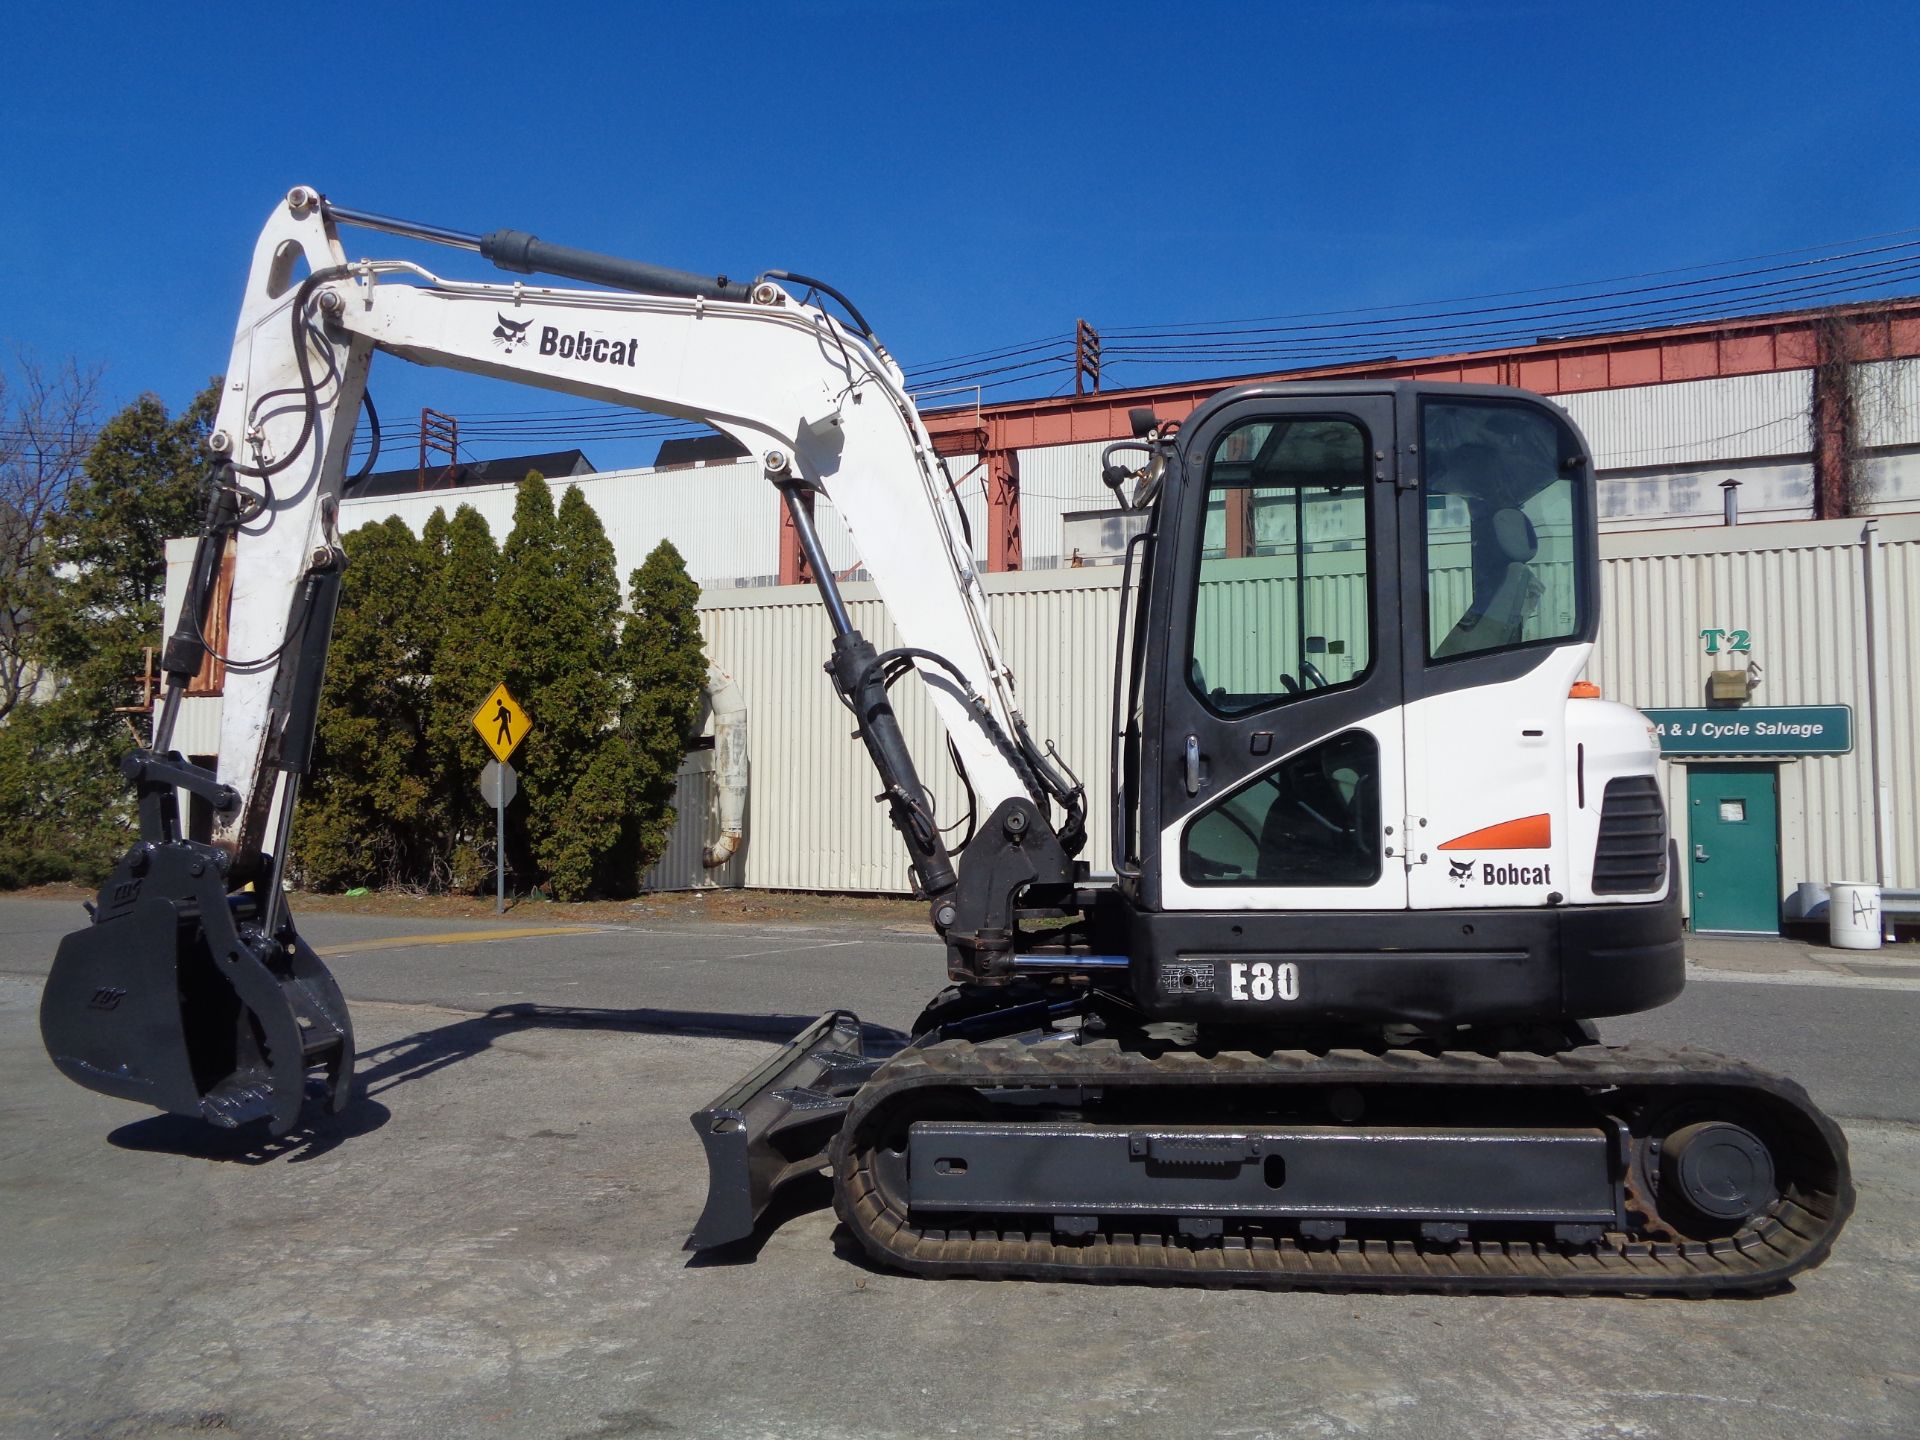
(251, 1144)
(427, 1052)
(414, 1057)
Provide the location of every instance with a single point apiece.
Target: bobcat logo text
(582, 346)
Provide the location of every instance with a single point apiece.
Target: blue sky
(974, 175)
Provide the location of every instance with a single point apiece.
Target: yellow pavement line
(454, 937)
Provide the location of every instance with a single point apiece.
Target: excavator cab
(1348, 750)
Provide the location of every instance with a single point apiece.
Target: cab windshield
(1282, 602)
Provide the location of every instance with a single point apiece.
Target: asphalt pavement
(489, 1245)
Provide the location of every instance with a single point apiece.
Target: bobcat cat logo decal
(510, 335)
(1460, 871)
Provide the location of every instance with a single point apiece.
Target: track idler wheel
(1721, 1173)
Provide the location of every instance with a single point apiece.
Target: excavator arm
(824, 407)
(192, 989)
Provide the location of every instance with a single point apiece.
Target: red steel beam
(1003, 509)
(1751, 345)
(794, 569)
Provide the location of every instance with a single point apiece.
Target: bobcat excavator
(1379, 854)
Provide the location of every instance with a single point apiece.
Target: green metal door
(1734, 865)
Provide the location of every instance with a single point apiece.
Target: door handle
(1193, 765)
(1700, 852)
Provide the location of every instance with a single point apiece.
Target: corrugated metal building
(1805, 593)
(699, 508)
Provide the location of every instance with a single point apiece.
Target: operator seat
(1500, 619)
(1323, 826)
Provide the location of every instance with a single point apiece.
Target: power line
(1326, 350)
(1461, 322)
(1053, 344)
(1886, 271)
(1848, 277)
(1539, 290)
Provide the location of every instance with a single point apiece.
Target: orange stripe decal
(1531, 832)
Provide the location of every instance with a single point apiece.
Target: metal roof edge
(1760, 535)
(1011, 582)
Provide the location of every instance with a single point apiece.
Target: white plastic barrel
(1853, 915)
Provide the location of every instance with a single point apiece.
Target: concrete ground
(489, 1245)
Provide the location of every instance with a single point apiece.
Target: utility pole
(437, 432)
(1086, 358)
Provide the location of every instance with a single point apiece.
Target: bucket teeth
(231, 1105)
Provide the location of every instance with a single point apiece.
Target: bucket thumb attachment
(174, 998)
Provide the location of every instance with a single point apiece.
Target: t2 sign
(1738, 642)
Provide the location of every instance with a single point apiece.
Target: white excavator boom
(822, 406)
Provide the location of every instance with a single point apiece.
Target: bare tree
(48, 420)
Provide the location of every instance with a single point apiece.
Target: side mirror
(1146, 477)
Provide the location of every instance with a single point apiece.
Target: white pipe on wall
(1875, 580)
(729, 764)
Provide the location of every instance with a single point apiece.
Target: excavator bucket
(172, 998)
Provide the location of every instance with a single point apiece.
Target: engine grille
(1631, 857)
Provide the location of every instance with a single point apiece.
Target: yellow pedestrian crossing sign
(501, 723)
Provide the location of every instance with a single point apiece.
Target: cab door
(1280, 764)
(1498, 544)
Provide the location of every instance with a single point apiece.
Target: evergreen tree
(367, 812)
(589, 826)
(64, 810)
(663, 661)
(146, 479)
(558, 601)
(467, 663)
(526, 579)
(435, 540)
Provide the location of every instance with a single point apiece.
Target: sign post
(498, 785)
(502, 725)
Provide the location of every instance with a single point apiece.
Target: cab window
(1312, 820)
(1282, 607)
(1503, 492)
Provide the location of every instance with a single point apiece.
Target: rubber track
(1795, 1235)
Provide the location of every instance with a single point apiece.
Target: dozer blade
(167, 999)
(776, 1124)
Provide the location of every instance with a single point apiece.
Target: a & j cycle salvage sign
(1762, 730)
